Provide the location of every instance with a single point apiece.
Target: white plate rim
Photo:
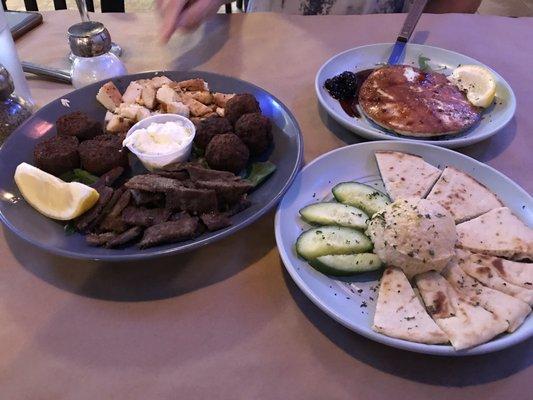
(376, 134)
(508, 340)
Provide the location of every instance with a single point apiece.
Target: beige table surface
(227, 322)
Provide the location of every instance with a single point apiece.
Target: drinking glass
(9, 59)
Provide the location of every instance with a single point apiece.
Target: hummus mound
(415, 235)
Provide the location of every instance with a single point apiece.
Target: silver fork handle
(55, 74)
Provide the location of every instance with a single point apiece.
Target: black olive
(342, 86)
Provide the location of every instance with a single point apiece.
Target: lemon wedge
(53, 197)
(478, 83)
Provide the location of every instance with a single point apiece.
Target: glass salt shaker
(90, 42)
(13, 109)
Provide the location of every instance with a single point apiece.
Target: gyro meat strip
(184, 216)
(196, 201)
(143, 198)
(477, 267)
(503, 306)
(193, 85)
(497, 233)
(406, 175)
(215, 221)
(239, 206)
(117, 194)
(198, 173)
(463, 196)
(466, 324)
(141, 216)
(126, 237)
(109, 178)
(112, 221)
(228, 192)
(178, 175)
(85, 220)
(152, 183)
(401, 314)
(99, 239)
(169, 232)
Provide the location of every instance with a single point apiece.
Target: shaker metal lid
(89, 39)
(6, 83)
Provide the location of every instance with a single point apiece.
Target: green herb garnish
(259, 172)
(69, 228)
(79, 175)
(423, 63)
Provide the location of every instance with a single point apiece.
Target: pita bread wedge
(406, 175)
(466, 324)
(497, 233)
(478, 267)
(518, 273)
(503, 306)
(400, 313)
(463, 196)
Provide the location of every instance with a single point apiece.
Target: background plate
(351, 301)
(364, 57)
(27, 223)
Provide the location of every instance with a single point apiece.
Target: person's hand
(185, 14)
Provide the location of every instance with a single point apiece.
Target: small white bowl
(152, 162)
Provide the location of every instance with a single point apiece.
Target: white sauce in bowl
(160, 138)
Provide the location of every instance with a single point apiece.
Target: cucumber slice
(365, 197)
(347, 264)
(335, 214)
(331, 240)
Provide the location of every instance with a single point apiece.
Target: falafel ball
(78, 124)
(239, 105)
(57, 155)
(102, 154)
(208, 128)
(227, 152)
(255, 130)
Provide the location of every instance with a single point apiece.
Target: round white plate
(351, 301)
(365, 57)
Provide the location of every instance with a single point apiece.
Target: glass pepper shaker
(90, 42)
(13, 109)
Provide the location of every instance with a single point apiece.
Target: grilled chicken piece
(133, 93)
(118, 124)
(109, 96)
(166, 95)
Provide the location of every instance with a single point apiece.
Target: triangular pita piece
(400, 314)
(497, 233)
(463, 196)
(466, 324)
(476, 266)
(519, 273)
(406, 175)
(503, 306)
